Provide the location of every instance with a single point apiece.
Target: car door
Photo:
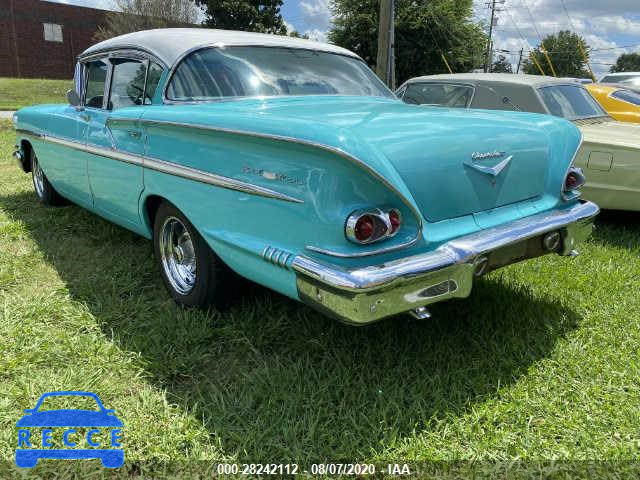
(65, 161)
(117, 183)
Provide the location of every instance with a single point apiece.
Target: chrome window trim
(185, 54)
(166, 167)
(282, 138)
(133, 52)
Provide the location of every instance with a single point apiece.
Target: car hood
(612, 133)
(425, 152)
(69, 418)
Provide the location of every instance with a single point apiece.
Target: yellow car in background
(620, 103)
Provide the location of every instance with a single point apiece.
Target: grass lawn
(16, 93)
(537, 374)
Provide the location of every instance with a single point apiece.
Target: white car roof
(529, 80)
(170, 44)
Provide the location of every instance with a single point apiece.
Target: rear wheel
(45, 192)
(194, 275)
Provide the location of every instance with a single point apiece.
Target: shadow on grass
(624, 231)
(274, 381)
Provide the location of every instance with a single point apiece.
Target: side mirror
(73, 98)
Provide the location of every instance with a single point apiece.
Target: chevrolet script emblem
(493, 171)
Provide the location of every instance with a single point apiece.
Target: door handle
(135, 134)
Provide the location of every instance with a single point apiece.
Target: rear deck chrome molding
(165, 167)
(365, 294)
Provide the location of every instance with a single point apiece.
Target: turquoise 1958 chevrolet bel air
(288, 162)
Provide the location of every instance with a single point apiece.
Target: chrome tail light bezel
(574, 192)
(383, 229)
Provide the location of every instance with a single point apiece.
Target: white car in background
(628, 79)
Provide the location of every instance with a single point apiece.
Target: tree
(136, 15)
(249, 15)
(502, 65)
(565, 51)
(297, 34)
(627, 62)
(425, 31)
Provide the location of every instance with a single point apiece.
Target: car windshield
(618, 78)
(76, 402)
(571, 102)
(439, 94)
(214, 73)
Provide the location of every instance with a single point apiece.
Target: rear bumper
(367, 294)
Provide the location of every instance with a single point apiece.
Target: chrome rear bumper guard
(364, 295)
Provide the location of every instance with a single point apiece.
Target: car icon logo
(102, 437)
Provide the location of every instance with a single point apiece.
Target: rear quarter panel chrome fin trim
(167, 167)
(328, 148)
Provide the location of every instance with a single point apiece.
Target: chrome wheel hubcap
(178, 255)
(38, 178)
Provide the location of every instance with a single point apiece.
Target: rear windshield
(571, 102)
(215, 73)
(440, 94)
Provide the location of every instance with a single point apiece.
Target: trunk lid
(454, 162)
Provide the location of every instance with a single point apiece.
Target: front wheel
(45, 192)
(194, 275)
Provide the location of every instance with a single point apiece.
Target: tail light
(574, 180)
(372, 225)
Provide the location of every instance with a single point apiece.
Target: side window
(96, 82)
(153, 78)
(627, 96)
(127, 83)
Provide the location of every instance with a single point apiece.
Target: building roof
(169, 44)
(528, 80)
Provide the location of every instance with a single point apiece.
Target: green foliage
(248, 15)
(502, 65)
(135, 15)
(565, 53)
(627, 62)
(424, 29)
(296, 34)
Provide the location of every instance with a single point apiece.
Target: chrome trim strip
(299, 141)
(463, 250)
(380, 251)
(171, 168)
(214, 179)
(30, 133)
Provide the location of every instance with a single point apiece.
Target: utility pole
(494, 21)
(385, 61)
(520, 60)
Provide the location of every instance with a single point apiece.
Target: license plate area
(531, 248)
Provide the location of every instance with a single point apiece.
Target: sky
(610, 27)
